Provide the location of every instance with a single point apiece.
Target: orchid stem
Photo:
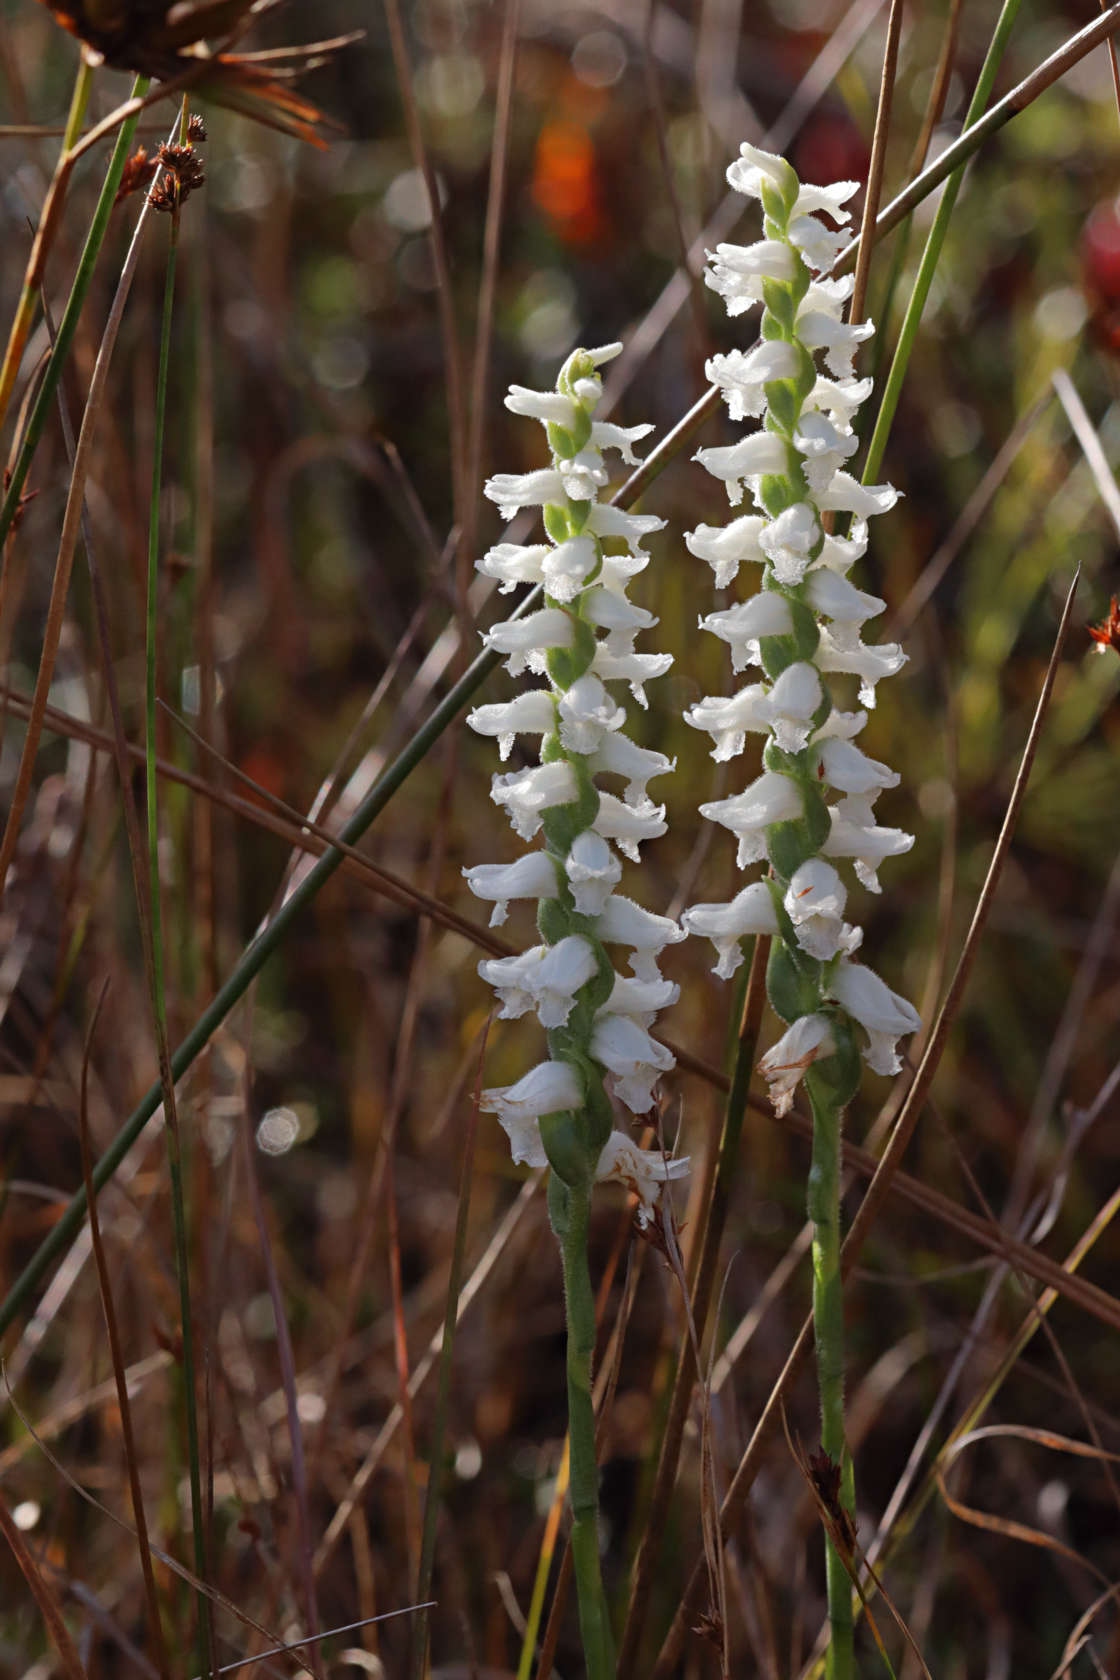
(570, 1211)
(828, 1326)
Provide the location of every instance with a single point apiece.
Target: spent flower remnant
(803, 625)
(580, 642)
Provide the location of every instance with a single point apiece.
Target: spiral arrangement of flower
(597, 1021)
(813, 804)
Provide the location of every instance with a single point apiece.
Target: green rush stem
(67, 326)
(159, 997)
(579, 1301)
(828, 1327)
(25, 312)
(932, 253)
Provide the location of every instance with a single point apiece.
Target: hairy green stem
(570, 1210)
(828, 1326)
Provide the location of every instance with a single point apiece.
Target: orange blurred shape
(564, 182)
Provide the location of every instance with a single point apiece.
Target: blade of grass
(74, 304)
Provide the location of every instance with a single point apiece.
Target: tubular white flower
(593, 872)
(512, 564)
(814, 902)
(743, 625)
(581, 640)
(513, 491)
(802, 625)
(545, 978)
(884, 1015)
(528, 793)
(531, 713)
(726, 547)
(587, 713)
(788, 541)
(532, 876)
(632, 1056)
(548, 1088)
(750, 912)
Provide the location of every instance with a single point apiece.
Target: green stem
(159, 998)
(570, 1210)
(828, 1326)
(932, 253)
(67, 326)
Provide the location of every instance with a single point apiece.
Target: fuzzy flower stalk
(812, 806)
(600, 1052)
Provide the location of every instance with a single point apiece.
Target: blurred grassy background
(313, 553)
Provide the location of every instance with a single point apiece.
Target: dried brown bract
(138, 173)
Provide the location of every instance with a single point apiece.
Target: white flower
(625, 1049)
(545, 978)
(808, 1040)
(531, 876)
(620, 618)
(814, 902)
(548, 1088)
(607, 521)
(840, 649)
(512, 564)
(819, 330)
(587, 713)
(788, 541)
(824, 446)
(850, 770)
(832, 595)
(738, 272)
(636, 668)
(760, 452)
(726, 547)
(526, 793)
(513, 491)
(583, 476)
(846, 495)
(643, 999)
(754, 167)
(743, 625)
(553, 408)
(623, 922)
(820, 246)
(839, 553)
(629, 824)
(593, 872)
(750, 912)
(618, 755)
(830, 199)
(522, 638)
(839, 397)
(790, 705)
(642, 1171)
(772, 798)
(743, 375)
(604, 435)
(531, 713)
(855, 835)
(885, 1016)
(567, 566)
(727, 720)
